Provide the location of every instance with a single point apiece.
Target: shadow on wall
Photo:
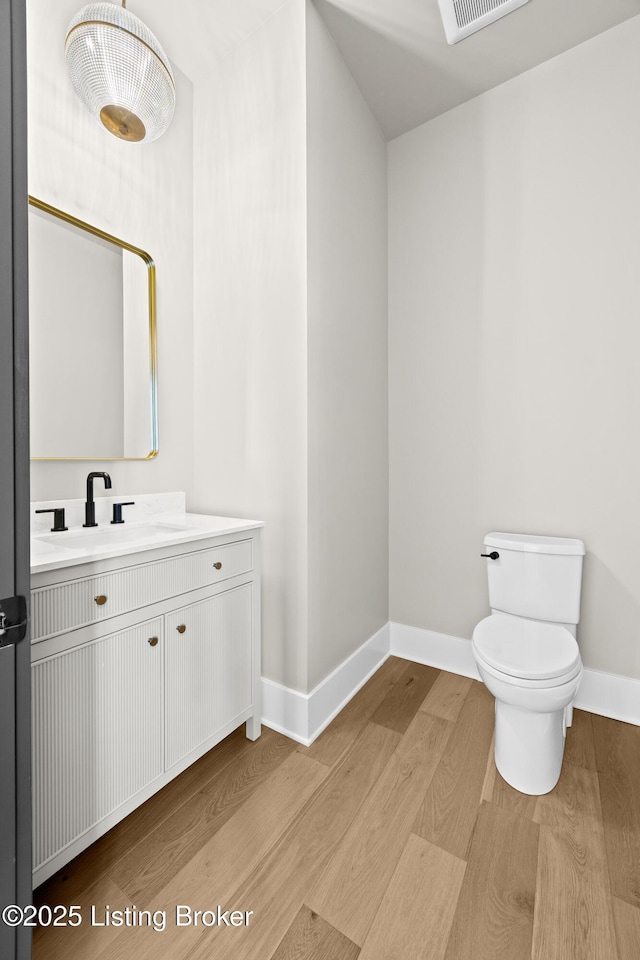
(606, 640)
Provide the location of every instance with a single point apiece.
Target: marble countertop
(51, 551)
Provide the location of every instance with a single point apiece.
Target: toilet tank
(535, 577)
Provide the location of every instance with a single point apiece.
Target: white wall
(290, 335)
(514, 341)
(347, 360)
(250, 316)
(142, 194)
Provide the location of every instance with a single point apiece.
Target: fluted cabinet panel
(129, 691)
(208, 668)
(97, 732)
(67, 606)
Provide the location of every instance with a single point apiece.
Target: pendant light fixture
(120, 72)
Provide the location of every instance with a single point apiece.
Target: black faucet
(90, 507)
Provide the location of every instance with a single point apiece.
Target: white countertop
(51, 551)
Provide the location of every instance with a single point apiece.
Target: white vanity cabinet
(208, 668)
(140, 664)
(97, 733)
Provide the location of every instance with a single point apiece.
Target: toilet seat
(550, 683)
(526, 652)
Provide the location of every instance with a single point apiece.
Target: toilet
(527, 654)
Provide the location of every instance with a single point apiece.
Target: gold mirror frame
(153, 358)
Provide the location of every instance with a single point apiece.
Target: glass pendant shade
(120, 72)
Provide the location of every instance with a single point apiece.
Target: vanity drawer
(77, 603)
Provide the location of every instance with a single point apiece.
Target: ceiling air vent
(463, 17)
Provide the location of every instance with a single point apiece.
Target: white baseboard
(435, 649)
(610, 695)
(303, 716)
(604, 693)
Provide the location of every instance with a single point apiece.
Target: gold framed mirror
(93, 350)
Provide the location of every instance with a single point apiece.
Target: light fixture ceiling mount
(120, 72)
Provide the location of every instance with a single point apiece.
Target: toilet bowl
(532, 711)
(527, 655)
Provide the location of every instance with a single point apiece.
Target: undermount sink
(114, 535)
(155, 521)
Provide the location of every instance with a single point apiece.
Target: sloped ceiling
(408, 73)
(395, 49)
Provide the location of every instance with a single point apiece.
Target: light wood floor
(391, 838)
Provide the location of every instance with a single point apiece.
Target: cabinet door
(97, 732)
(208, 664)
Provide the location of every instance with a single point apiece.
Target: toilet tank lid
(528, 543)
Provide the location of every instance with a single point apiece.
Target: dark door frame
(15, 667)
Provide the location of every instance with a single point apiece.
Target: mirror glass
(92, 332)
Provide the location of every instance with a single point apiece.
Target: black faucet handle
(58, 519)
(117, 511)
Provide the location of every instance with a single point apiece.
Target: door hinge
(13, 620)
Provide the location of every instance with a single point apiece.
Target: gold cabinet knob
(218, 565)
(101, 600)
(181, 628)
(153, 641)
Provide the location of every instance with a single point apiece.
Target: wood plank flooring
(392, 837)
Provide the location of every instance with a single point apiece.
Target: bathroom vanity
(145, 654)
